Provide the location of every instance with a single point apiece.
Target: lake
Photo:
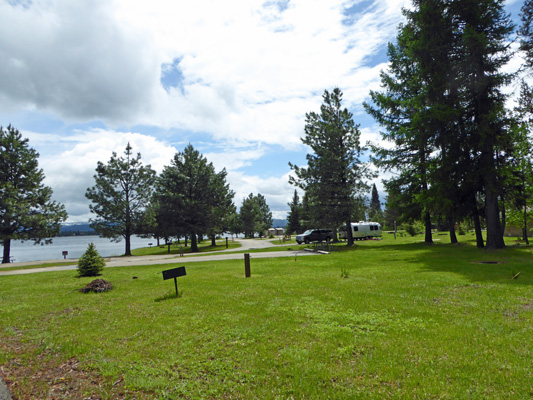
(75, 245)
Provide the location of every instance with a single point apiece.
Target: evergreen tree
(294, 215)
(374, 213)
(122, 192)
(26, 209)
(444, 110)
(90, 263)
(255, 215)
(334, 174)
(193, 197)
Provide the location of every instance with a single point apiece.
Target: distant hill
(279, 223)
(76, 229)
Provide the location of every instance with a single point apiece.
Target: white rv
(362, 230)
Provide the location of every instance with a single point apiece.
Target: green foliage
(26, 209)
(193, 199)
(90, 263)
(293, 217)
(334, 175)
(122, 192)
(255, 215)
(410, 229)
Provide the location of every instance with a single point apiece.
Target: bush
(90, 263)
(410, 229)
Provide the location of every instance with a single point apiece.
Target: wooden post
(247, 272)
(227, 242)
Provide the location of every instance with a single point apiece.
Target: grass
(32, 266)
(204, 246)
(386, 319)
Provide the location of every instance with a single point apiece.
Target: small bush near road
(90, 263)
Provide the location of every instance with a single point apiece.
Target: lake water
(75, 245)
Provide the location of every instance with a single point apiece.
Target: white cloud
(71, 172)
(249, 70)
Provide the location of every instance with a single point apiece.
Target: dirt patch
(33, 374)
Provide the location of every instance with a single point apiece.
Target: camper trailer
(362, 230)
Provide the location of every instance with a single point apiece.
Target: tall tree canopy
(443, 108)
(293, 217)
(334, 174)
(255, 215)
(194, 198)
(26, 209)
(122, 192)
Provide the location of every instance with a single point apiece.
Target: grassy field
(386, 319)
(204, 246)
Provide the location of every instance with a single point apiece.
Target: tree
(255, 215)
(26, 209)
(375, 205)
(90, 263)
(294, 214)
(120, 197)
(444, 110)
(334, 174)
(193, 197)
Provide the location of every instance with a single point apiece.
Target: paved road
(247, 244)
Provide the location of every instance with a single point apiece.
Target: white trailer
(362, 230)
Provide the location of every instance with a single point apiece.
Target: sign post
(65, 254)
(247, 271)
(174, 273)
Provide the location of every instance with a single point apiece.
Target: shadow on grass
(169, 296)
(510, 265)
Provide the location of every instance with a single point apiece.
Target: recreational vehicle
(362, 230)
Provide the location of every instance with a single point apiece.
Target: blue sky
(234, 78)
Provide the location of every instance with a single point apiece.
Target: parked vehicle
(362, 230)
(315, 235)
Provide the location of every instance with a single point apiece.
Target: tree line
(189, 199)
(457, 152)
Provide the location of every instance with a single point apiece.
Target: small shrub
(461, 230)
(90, 263)
(410, 229)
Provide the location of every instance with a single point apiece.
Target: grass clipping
(97, 286)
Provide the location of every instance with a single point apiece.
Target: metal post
(227, 242)
(176, 284)
(247, 272)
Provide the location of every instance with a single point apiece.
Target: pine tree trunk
(427, 223)
(477, 226)
(194, 244)
(128, 245)
(7, 249)
(349, 235)
(494, 229)
(525, 224)
(453, 236)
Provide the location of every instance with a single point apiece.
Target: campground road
(246, 245)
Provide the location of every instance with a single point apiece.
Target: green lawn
(408, 321)
(204, 246)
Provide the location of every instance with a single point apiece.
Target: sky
(235, 78)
